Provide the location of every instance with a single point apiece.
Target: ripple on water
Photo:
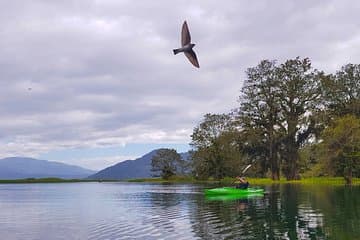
(153, 220)
(155, 211)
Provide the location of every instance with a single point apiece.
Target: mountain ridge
(25, 167)
(130, 169)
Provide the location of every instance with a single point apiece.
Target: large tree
(279, 105)
(258, 116)
(166, 162)
(300, 100)
(215, 153)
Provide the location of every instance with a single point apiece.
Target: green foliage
(283, 110)
(259, 116)
(278, 112)
(216, 153)
(341, 147)
(300, 99)
(167, 162)
(210, 129)
(309, 164)
(342, 91)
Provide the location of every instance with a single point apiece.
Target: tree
(166, 161)
(258, 116)
(342, 91)
(300, 100)
(341, 147)
(215, 151)
(278, 112)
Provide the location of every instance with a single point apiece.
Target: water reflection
(160, 211)
(233, 197)
(340, 207)
(285, 212)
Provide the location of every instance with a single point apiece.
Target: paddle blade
(248, 166)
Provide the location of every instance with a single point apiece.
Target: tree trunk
(293, 173)
(275, 175)
(292, 154)
(348, 176)
(274, 164)
(275, 170)
(291, 169)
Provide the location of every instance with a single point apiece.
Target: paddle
(243, 171)
(248, 166)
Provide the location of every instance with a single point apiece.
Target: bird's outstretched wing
(185, 34)
(192, 58)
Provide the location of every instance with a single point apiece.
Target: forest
(291, 121)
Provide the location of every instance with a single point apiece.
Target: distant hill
(130, 169)
(17, 168)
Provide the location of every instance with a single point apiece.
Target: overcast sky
(92, 83)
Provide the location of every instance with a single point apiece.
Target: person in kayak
(244, 184)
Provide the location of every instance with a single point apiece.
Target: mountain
(129, 169)
(17, 168)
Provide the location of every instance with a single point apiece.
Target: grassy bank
(253, 181)
(181, 179)
(317, 180)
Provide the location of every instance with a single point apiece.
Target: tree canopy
(341, 147)
(284, 110)
(167, 162)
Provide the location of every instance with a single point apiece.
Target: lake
(175, 211)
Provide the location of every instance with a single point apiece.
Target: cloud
(102, 73)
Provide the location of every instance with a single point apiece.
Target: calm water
(159, 211)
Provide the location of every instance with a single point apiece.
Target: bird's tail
(176, 51)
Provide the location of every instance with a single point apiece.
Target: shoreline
(226, 181)
(256, 181)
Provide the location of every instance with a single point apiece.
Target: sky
(93, 83)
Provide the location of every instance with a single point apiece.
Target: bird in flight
(187, 46)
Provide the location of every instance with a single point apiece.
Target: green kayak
(233, 191)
